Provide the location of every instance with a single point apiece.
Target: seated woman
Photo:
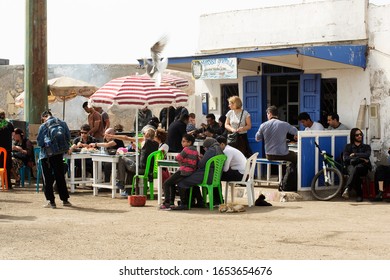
(22, 154)
(160, 137)
(110, 144)
(128, 165)
(80, 142)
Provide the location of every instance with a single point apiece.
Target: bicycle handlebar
(322, 152)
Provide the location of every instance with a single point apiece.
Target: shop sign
(214, 69)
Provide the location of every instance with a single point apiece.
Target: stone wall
(12, 84)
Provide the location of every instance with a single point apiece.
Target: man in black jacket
(175, 133)
(356, 156)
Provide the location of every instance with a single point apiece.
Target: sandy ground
(104, 228)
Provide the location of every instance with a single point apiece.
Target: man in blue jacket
(53, 148)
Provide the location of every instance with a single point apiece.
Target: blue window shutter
(310, 95)
(254, 101)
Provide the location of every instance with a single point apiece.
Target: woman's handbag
(232, 138)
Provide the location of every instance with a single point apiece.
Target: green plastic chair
(217, 163)
(149, 170)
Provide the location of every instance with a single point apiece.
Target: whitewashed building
(318, 57)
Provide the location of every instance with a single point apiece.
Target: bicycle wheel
(323, 190)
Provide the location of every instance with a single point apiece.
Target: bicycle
(329, 181)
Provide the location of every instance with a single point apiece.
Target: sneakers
(166, 207)
(67, 204)
(50, 205)
(359, 199)
(124, 193)
(345, 194)
(378, 197)
(180, 207)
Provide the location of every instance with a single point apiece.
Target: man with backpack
(53, 139)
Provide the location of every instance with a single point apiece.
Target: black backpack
(289, 182)
(56, 139)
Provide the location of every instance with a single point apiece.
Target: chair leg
(211, 198)
(189, 199)
(220, 194)
(22, 175)
(227, 192)
(250, 195)
(151, 190)
(5, 178)
(232, 192)
(29, 172)
(133, 184)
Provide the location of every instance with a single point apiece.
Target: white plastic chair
(247, 180)
(172, 156)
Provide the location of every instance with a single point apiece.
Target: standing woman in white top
(239, 120)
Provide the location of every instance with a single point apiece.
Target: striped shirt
(188, 160)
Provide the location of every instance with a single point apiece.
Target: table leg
(113, 179)
(72, 175)
(83, 170)
(259, 170)
(96, 176)
(159, 185)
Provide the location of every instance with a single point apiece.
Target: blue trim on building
(347, 54)
(354, 55)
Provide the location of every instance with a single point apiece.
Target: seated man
(356, 156)
(306, 121)
(334, 122)
(234, 166)
(212, 149)
(111, 145)
(211, 129)
(80, 142)
(381, 179)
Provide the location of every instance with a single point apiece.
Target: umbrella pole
(167, 119)
(136, 142)
(63, 108)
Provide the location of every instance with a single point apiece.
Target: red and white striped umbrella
(137, 92)
(175, 81)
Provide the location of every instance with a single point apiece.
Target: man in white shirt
(306, 121)
(234, 166)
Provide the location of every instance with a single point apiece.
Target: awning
(304, 58)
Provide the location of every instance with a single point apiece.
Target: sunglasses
(358, 134)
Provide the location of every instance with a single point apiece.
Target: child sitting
(188, 161)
